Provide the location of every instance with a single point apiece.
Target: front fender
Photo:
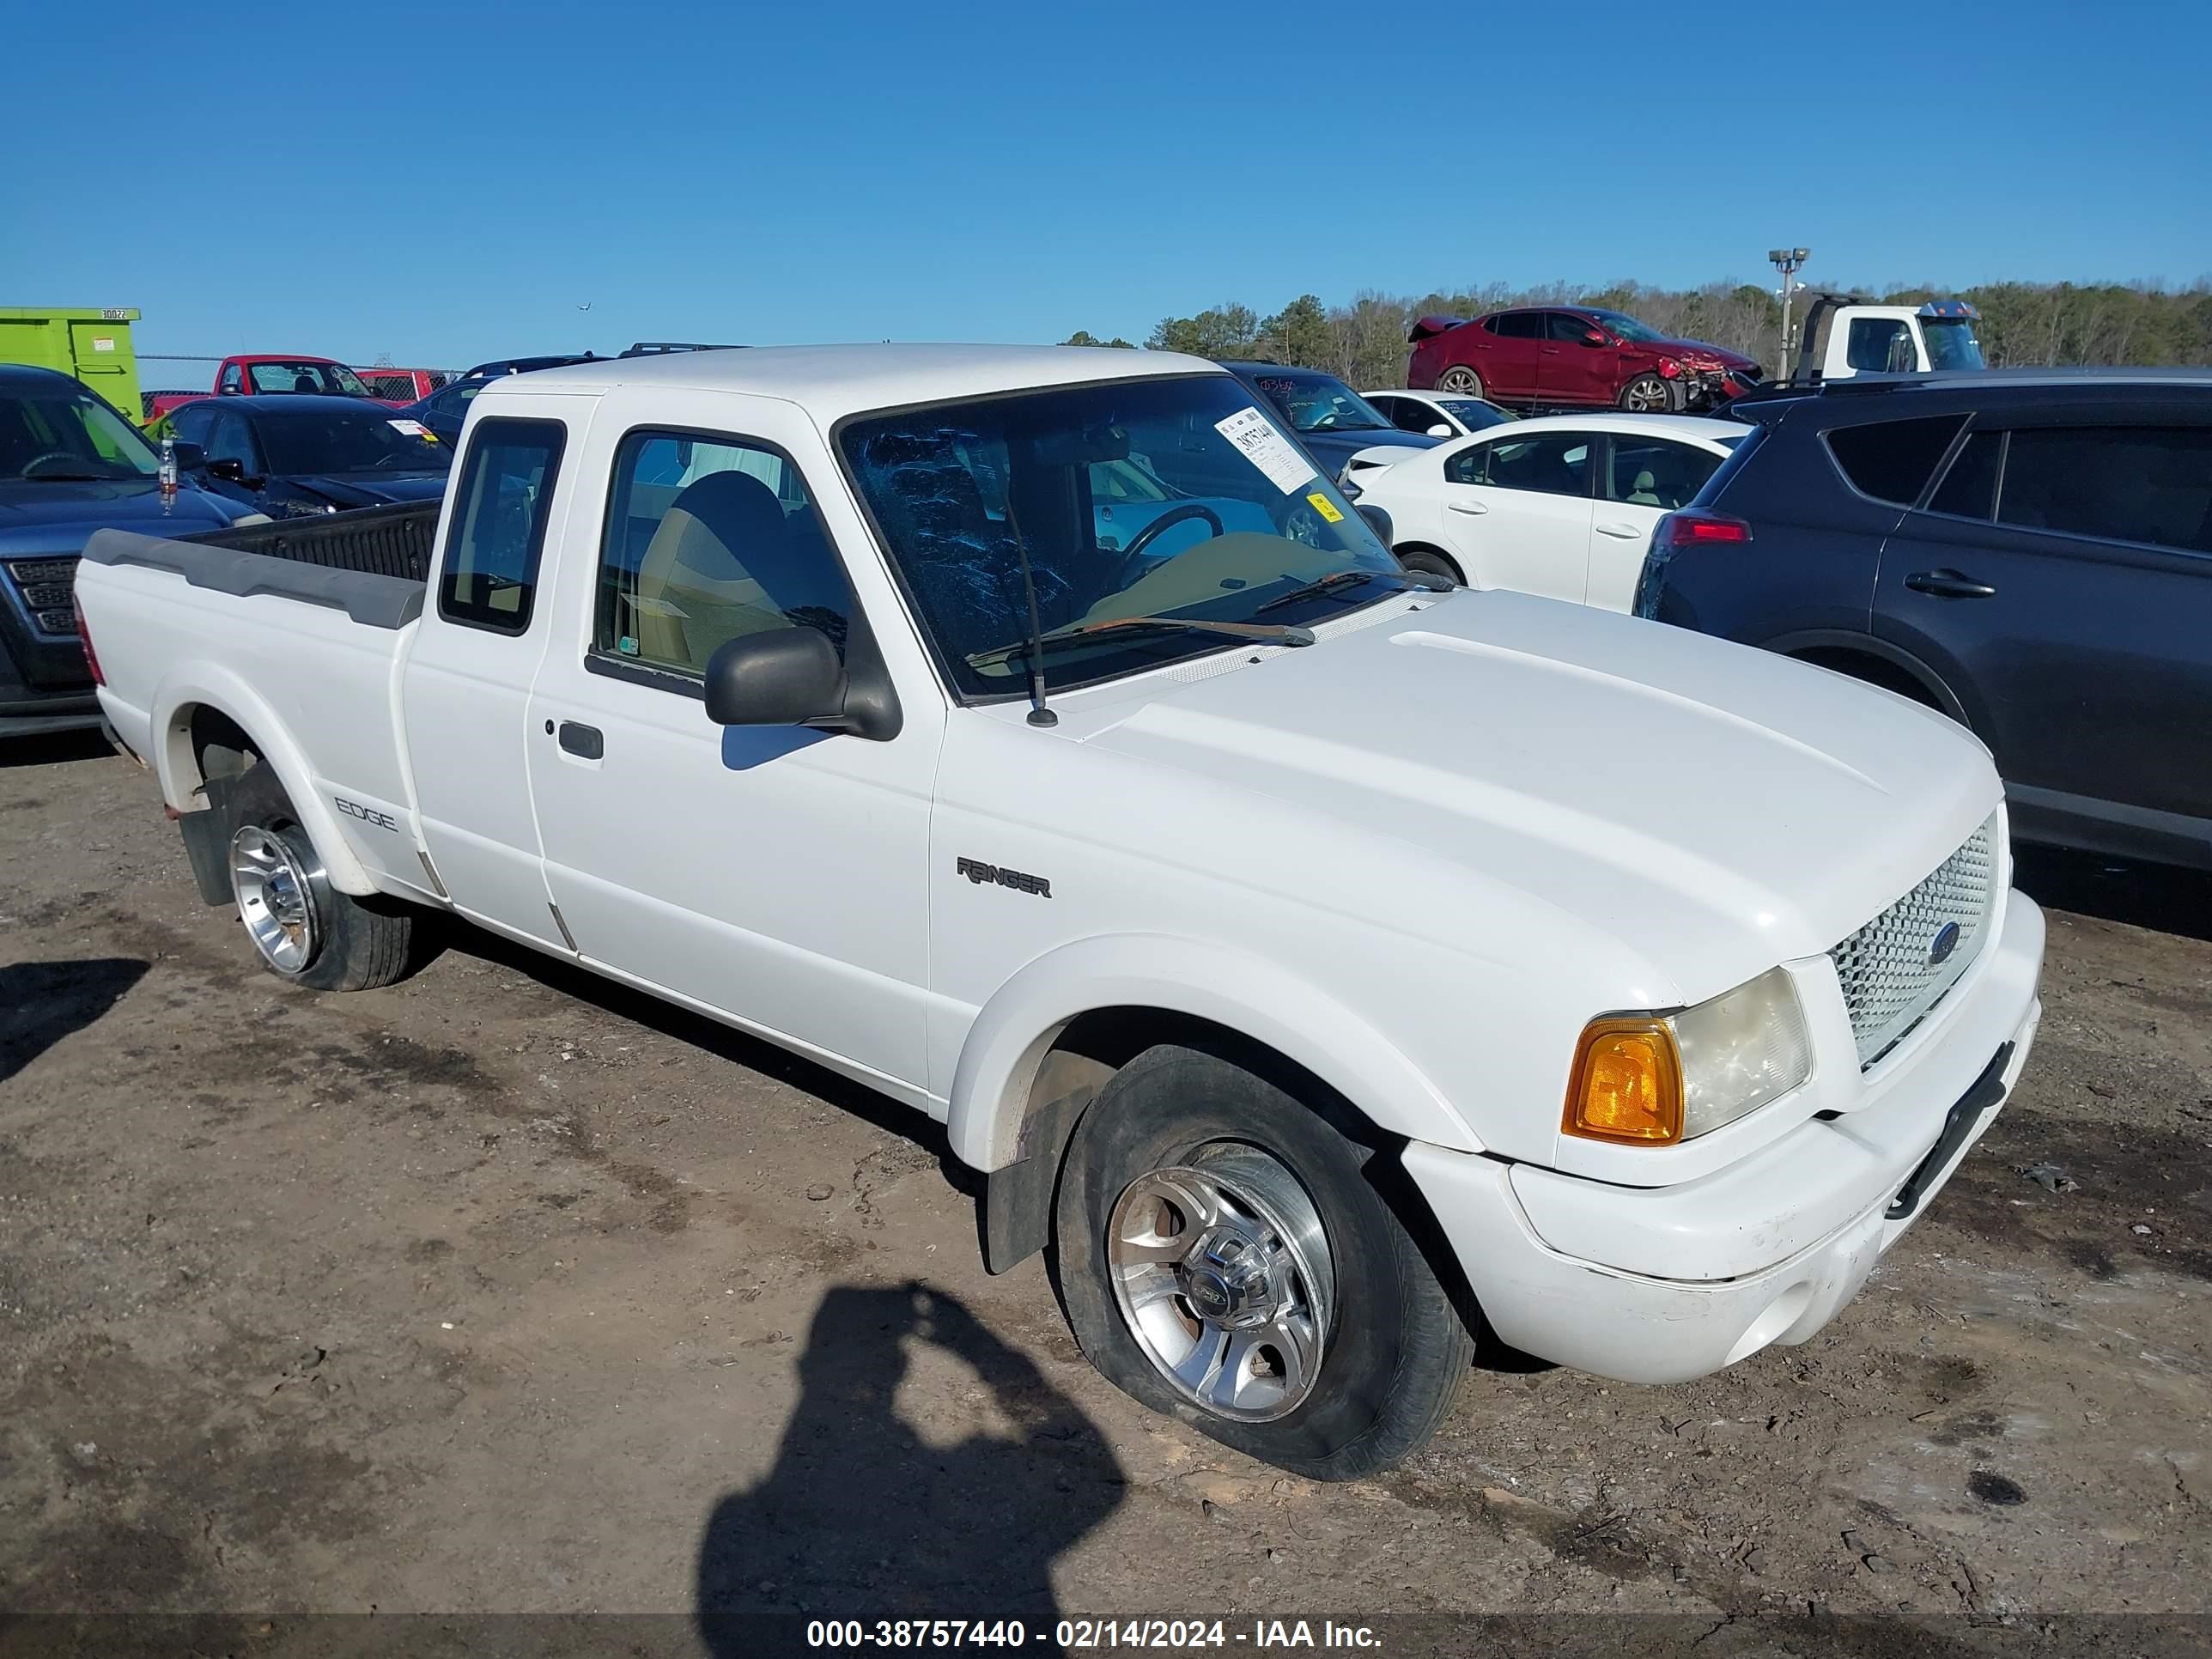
(195, 684)
(1246, 993)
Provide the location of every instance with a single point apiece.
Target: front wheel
(1650, 394)
(1461, 380)
(1427, 561)
(1225, 1259)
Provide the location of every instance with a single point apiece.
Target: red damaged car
(1573, 357)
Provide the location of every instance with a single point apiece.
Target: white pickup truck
(1332, 971)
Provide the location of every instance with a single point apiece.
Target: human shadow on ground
(43, 1002)
(862, 1517)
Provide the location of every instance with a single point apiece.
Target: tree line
(2022, 324)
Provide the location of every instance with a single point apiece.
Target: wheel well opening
(1875, 671)
(1458, 572)
(205, 744)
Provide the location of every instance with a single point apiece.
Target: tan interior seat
(694, 587)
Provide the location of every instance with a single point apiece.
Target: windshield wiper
(1266, 633)
(1329, 583)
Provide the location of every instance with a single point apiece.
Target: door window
(1969, 490)
(709, 537)
(229, 439)
(1882, 344)
(1564, 325)
(190, 423)
(1409, 414)
(230, 378)
(2117, 484)
(1893, 460)
(1519, 325)
(1555, 464)
(506, 494)
(1652, 472)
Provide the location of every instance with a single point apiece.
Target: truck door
(466, 685)
(776, 875)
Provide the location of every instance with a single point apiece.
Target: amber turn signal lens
(1627, 1084)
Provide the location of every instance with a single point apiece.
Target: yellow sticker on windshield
(1326, 507)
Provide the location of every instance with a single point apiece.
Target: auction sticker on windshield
(1267, 449)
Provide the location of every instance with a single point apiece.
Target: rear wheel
(1427, 561)
(1224, 1259)
(1650, 394)
(303, 929)
(1461, 380)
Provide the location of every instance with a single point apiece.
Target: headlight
(1649, 1080)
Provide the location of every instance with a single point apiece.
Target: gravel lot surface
(507, 1290)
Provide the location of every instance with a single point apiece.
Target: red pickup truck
(250, 374)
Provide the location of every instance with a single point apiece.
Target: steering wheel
(31, 466)
(1150, 534)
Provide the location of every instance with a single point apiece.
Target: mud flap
(1017, 1200)
(207, 842)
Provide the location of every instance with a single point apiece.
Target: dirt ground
(504, 1289)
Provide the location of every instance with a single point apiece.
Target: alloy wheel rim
(1643, 395)
(276, 898)
(1221, 1273)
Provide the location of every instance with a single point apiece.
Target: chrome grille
(45, 586)
(1887, 968)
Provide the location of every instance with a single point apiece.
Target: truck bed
(379, 541)
(297, 628)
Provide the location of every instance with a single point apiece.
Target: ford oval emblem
(1945, 942)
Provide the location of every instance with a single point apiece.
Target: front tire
(1427, 561)
(1225, 1259)
(1461, 380)
(1650, 394)
(303, 929)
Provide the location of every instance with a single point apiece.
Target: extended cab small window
(709, 537)
(505, 495)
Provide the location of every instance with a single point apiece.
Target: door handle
(1475, 507)
(585, 742)
(1948, 585)
(1627, 532)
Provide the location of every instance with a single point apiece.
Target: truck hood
(1712, 808)
(59, 515)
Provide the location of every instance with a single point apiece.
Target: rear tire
(1427, 561)
(1307, 1326)
(1461, 380)
(303, 929)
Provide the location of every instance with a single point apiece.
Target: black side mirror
(189, 457)
(780, 676)
(224, 467)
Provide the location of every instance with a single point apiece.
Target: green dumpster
(92, 344)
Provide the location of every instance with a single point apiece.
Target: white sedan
(1438, 414)
(1563, 506)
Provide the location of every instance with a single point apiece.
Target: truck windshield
(330, 379)
(1951, 345)
(1170, 498)
(1322, 403)
(374, 441)
(63, 437)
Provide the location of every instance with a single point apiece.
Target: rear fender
(1259, 999)
(210, 685)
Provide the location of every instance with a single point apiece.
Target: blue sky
(447, 183)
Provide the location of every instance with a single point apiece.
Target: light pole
(1789, 261)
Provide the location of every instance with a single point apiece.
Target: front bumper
(1764, 1251)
